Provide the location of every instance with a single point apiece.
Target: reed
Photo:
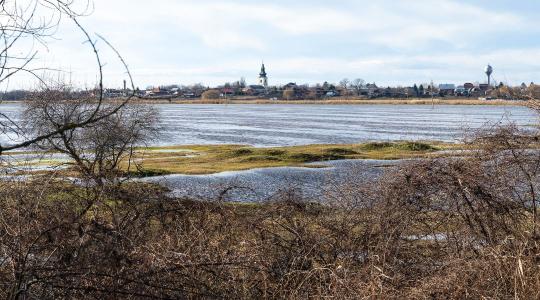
(344, 101)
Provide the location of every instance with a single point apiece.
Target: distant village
(345, 89)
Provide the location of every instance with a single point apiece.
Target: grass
(209, 159)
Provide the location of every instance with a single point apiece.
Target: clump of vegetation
(314, 157)
(261, 158)
(143, 172)
(407, 146)
(274, 152)
(376, 146)
(242, 152)
(211, 95)
(340, 151)
(415, 146)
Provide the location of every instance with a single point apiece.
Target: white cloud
(173, 41)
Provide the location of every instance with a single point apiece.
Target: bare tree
(100, 151)
(36, 21)
(344, 85)
(357, 85)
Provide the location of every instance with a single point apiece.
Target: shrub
(377, 146)
(242, 152)
(211, 94)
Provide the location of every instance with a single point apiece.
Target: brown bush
(211, 95)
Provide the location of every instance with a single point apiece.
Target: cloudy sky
(390, 42)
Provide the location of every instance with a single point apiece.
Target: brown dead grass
(347, 101)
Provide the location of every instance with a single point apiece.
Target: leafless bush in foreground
(101, 151)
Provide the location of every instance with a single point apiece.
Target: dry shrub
(450, 228)
(211, 95)
(472, 221)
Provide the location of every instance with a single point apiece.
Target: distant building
(114, 93)
(295, 91)
(371, 90)
(332, 94)
(254, 90)
(447, 89)
(484, 87)
(462, 91)
(290, 85)
(263, 77)
(227, 92)
(468, 86)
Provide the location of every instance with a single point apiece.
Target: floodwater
(336, 182)
(286, 125)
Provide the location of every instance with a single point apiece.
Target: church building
(263, 77)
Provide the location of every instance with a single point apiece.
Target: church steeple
(263, 71)
(263, 77)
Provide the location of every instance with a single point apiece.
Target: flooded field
(286, 125)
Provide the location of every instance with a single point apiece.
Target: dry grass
(333, 101)
(432, 229)
(428, 229)
(347, 101)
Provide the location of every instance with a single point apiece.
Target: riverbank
(334, 101)
(458, 101)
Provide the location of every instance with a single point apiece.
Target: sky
(390, 42)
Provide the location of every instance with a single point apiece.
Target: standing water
(286, 125)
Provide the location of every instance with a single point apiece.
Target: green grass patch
(260, 158)
(376, 146)
(242, 152)
(314, 157)
(405, 146)
(274, 152)
(207, 159)
(340, 151)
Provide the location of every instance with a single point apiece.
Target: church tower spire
(263, 77)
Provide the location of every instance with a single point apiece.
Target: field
(197, 160)
(210, 159)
